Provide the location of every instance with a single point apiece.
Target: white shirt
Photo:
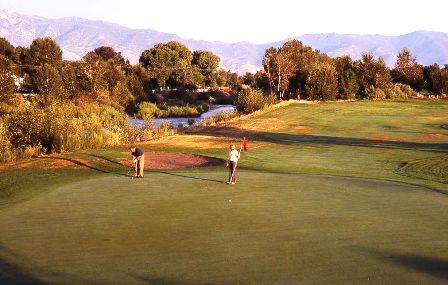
(234, 155)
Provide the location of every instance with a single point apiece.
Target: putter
(129, 170)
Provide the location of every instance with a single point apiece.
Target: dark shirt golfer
(138, 158)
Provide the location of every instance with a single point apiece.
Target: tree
(407, 70)
(7, 86)
(50, 85)
(69, 75)
(207, 64)
(21, 55)
(372, 75)
(6, 48)
(249, 100)
(167, 61)
(261, 81)
(321, 81)
(269, 66)
(347, 81)
(279, 65)
(44, 51)
(108, 53)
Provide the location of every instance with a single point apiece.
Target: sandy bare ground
(175, 160)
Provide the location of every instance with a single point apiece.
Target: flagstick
(236, 163)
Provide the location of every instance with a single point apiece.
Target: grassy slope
(178, 227)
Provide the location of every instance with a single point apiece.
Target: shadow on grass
(437, 267)
(152, 280)
(288, 139)
(190, 177)
(12, 273)
(112, 170)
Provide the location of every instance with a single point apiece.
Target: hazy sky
(250, 20)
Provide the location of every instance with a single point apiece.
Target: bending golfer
(138, 159)
(234, 155)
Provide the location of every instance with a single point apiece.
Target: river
(214, 109)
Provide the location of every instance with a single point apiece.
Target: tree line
(298, 71)
(104, 76)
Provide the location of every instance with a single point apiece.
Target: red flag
(244, 144)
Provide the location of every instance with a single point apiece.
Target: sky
(249, 20)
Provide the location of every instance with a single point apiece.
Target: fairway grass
(328, 193)
(181, 228)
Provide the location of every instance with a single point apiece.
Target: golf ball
(230, 201)
(132, 177)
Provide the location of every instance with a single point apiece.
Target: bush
(165, 129)
(65, 127)
(216, 118)
(249, 101)
(180, 94)
(6, 150)
(400, 91)
(47, 127)
(372, 93)
(147, 111)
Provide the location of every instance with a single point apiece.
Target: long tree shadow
(288, 139)
(83, 164)
(104, 158)
(14, 273)
(437, 267)
(189, 176)
(154, 280)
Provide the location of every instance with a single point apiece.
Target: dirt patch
(173, 160)
(45, 162)
(437, 135)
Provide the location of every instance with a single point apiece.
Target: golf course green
(328, 193)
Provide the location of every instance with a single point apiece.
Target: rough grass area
(434, 168)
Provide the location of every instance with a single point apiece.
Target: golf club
(129, 169)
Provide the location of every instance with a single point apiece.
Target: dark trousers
(232, 169)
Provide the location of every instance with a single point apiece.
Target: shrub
(372, 93)
(65, 127)
(147, 111)
(6, 150)
(165, 129)
(47, 127)
(400, 91)
(249, 101)
(180, 94)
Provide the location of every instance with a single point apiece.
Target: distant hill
(77, 36)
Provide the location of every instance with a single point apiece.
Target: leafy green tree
(44, 51)
(108, 53)
(407, 70)
(92, 72)
(69, 75)
(50, 84)
(6, 48)
(285, 67)
(167, 61)
(21, 55)
(261, 81)
(249, 100)
(322, 81)
(121, 95)
(270, 65)
(372, 75)
(7, 86)
(248, 79)
(432, 76)
(207, 64)
(347, 81)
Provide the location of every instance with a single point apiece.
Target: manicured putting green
(181, 228)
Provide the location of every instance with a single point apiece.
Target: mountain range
(77, 36)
